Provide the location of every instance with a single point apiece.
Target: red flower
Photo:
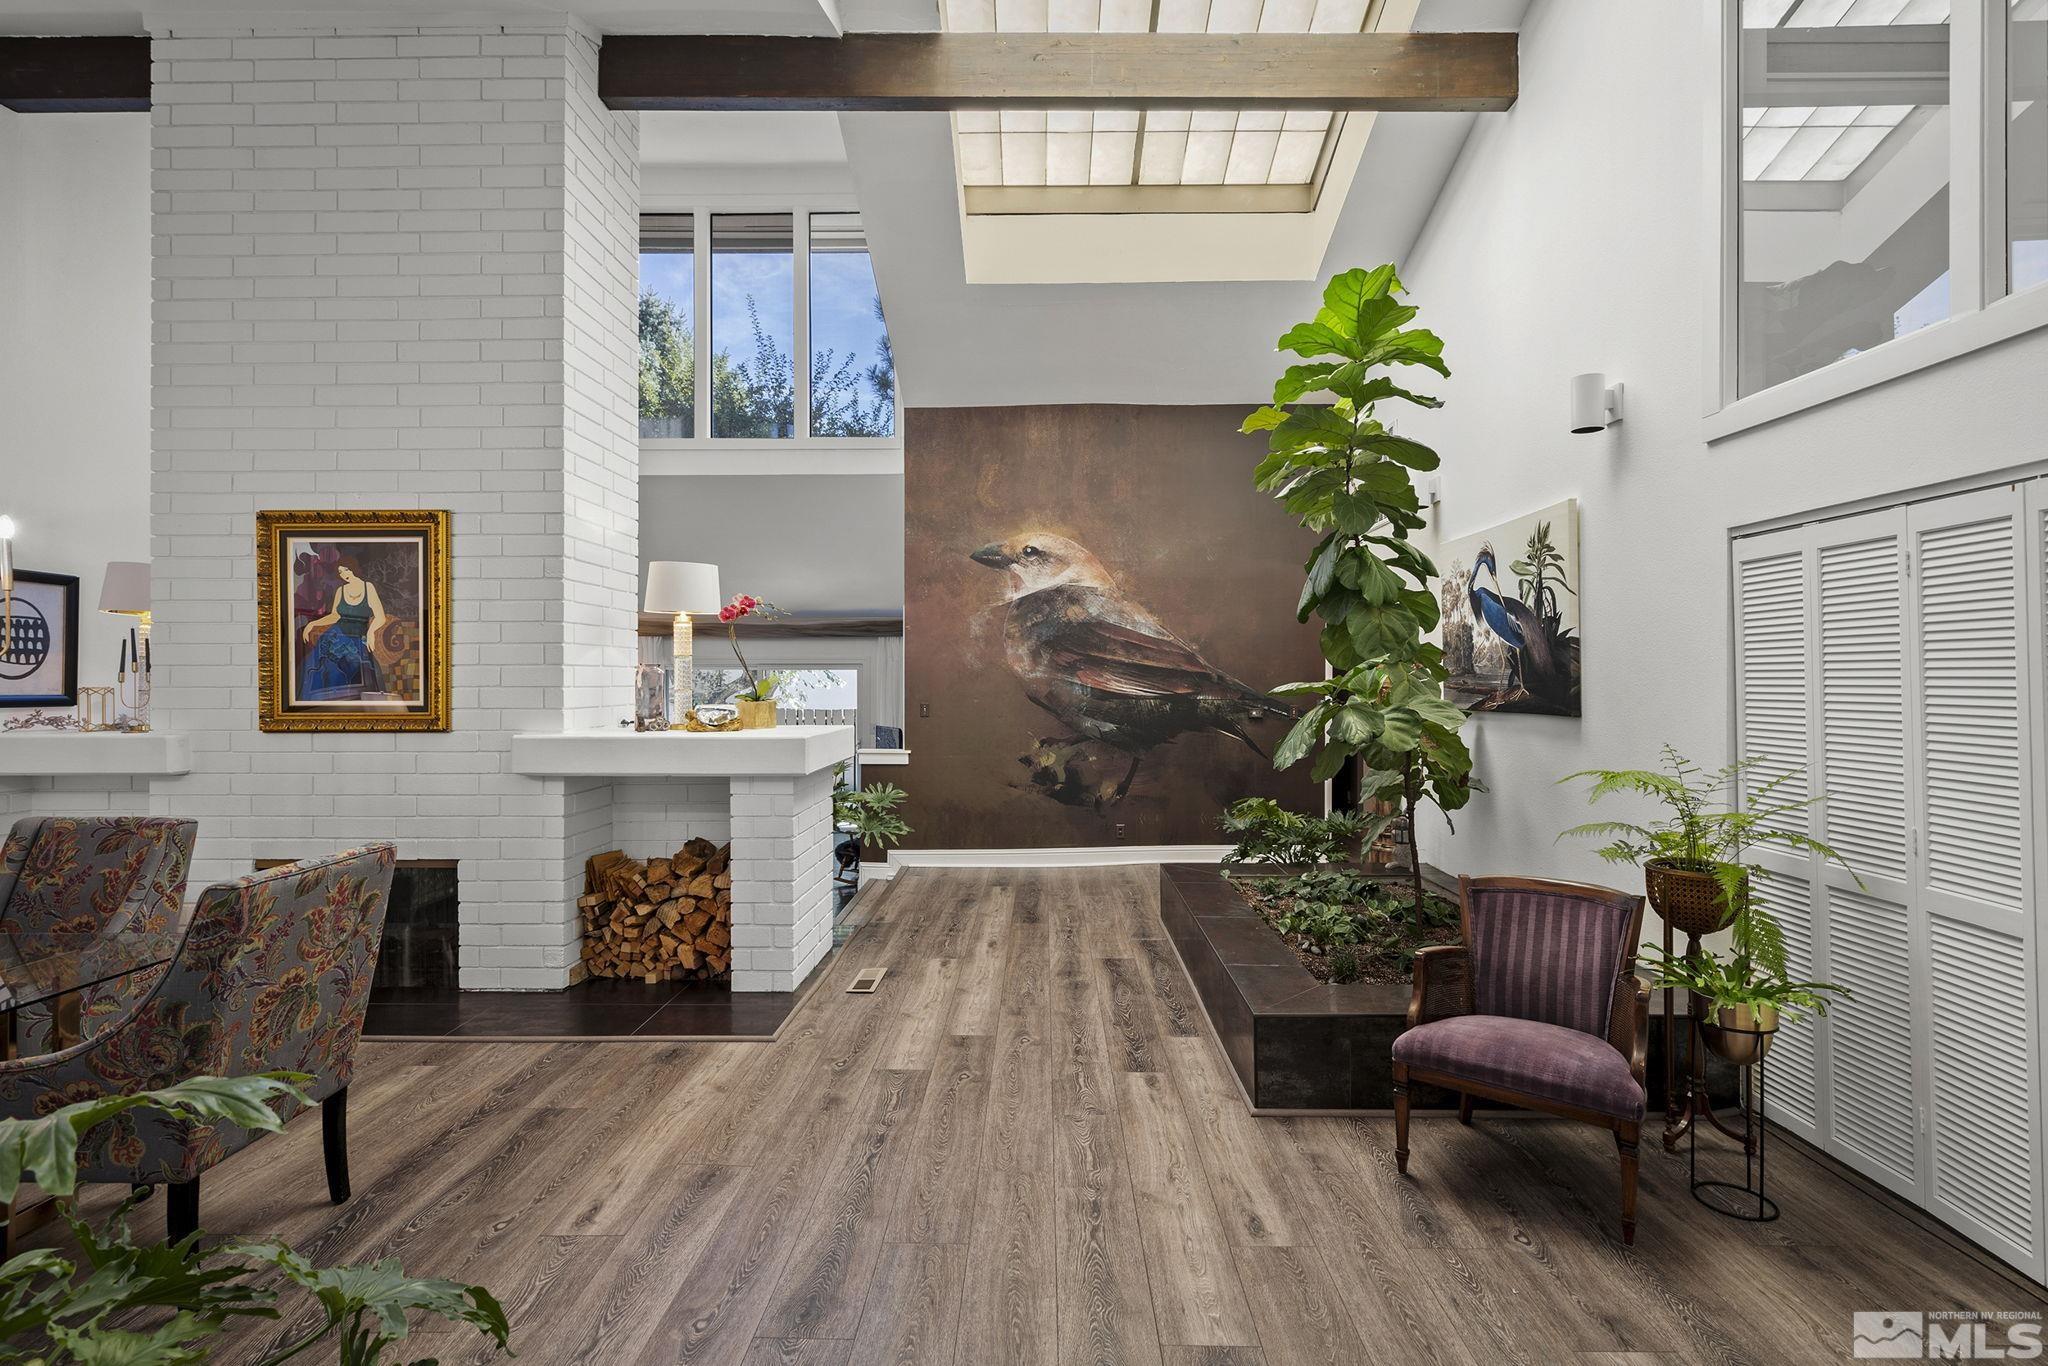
(728, 614)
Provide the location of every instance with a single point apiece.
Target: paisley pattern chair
(70, 882)
(1540, 1007)
(273, 974)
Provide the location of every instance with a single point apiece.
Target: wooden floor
(1026, 1148)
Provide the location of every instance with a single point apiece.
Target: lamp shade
(682, 586)
(125, 588)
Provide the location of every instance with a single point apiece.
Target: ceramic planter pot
(756, 715)
(1741, 1034)
(1689, 900)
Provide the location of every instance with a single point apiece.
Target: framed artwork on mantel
(352, 620)
(39, 641)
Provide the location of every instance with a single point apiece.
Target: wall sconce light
(1596, 405)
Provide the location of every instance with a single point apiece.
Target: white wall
(1571, 237)
(817, 543)
(74, 353)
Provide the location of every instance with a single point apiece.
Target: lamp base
(682, 691)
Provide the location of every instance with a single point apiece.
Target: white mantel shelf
(783, 751)
(106, 754)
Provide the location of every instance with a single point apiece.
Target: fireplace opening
(422, 928)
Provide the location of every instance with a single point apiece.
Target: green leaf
(1328, 764)
(1349, 294)
(1401, 729)
(1266, 419)
(1322, 572)
(1317, 339)
(1303, 737)
(1413, 454)
(1355, 381)
(1301, 379)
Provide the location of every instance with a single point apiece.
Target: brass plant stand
(1681, 1114)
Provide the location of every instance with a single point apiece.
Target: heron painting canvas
(1511, 614)
(1092, 627)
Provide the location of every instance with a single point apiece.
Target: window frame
(692, 454)
(1982, 310)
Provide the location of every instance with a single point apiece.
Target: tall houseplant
(1343, 474)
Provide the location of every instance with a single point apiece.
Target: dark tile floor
(596, 1009)
(593, 1009)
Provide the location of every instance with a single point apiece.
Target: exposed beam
(73, 75)
(936, 71)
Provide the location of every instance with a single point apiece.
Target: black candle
(148, 655)
(123, 673)
(134, 650)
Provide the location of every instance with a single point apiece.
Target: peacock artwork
(1510, 600)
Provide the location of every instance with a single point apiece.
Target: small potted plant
(756, 700)
(1691, 860)
(869, 815)
(1749, 999)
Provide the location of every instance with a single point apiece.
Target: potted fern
(1696, 876)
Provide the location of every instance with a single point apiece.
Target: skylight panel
(1123, 149)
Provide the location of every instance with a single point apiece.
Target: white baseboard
(1094, 856)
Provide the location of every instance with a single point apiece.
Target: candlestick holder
(135, 700)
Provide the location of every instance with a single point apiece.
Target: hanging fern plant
(1343, 474)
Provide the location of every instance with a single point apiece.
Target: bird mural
(1542, 656)
(1102, 664)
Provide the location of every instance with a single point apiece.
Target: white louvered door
(1874, 1071)
(1774, 721)
(1973, 648)
(1899, 658)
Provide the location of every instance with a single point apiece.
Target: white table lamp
(681, 587)
(125, 591)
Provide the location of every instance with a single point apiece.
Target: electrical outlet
(1119, 831)
(924, 709)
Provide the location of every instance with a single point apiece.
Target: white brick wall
(397, 269)
(651, 818)
(782, 882)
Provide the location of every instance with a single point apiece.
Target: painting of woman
(343, 662)
(352, 609)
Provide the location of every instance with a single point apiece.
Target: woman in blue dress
(342, 666)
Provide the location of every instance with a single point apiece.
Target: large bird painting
(1511, 631)
(1095, 614)
(1102, 665)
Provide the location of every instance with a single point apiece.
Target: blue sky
(842, 298)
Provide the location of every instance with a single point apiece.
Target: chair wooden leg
(1401, 1119)
(334, 1144)
(1626, 1140)
(1464, 1108)
(181, 1210)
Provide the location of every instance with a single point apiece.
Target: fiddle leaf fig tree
(1338, 469)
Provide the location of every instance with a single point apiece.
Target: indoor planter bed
(1295, 1043)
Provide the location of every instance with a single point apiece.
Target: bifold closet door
(1864, 912)
(1773, 587)
(1974, 646)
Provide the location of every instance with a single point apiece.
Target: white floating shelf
(783, 750)
(110, 754)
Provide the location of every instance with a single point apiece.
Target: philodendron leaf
(170, 1344)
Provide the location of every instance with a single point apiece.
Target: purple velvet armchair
(1540, 1007)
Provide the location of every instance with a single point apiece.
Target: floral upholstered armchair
(70, 883)
(1540, 1007)
(273, 973)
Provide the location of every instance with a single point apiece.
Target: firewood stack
(666, 918)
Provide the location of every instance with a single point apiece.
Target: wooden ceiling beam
(941, 71)
(74, 75)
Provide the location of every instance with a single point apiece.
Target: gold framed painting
(352, 619)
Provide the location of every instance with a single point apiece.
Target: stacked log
(663, 919)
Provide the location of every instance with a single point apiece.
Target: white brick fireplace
(398, 269)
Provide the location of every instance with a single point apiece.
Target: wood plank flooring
(1025, 1148)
